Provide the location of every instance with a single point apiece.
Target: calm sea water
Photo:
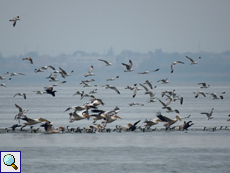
(194, 150)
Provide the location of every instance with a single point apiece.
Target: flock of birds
(81, 112)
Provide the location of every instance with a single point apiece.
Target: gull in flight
(64, 72)
(106, 62)
(29, 59)
(198, 93)
(128, 67)
(3, 84)
(3, 77)
(164, 81)
(14, 20)
(148, 82)
(209, 115)
(21, 94)
(204, 85)
(147, 91)
(174, 63)
(111, 87)
(146, 72)
(90, 72)
(112, 79)
(193, 61)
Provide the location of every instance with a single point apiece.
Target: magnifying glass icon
(9, 160)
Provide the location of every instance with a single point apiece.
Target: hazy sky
(56, 26)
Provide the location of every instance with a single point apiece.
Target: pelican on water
(168, 121)
(49, 128)
(30, 121)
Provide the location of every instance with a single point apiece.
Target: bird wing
(19, 108)
(126, 65)
(190, 59)
(144, 87)
(103, 61)
(91, 69)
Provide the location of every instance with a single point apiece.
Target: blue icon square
(10, 161)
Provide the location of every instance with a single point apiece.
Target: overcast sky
(56, 26)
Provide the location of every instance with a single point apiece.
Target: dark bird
(14, 20)
(49, 90)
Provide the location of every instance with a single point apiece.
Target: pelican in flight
(204, 85)
(21, 94)
(49, 128)
(110, 119)
(14, 20)
(106, 62)
(128, 66)
(168, 121)
(193, 61)
(30, 121)
(29, 59)
(147, 72)
(90, 72)
(174, 63)
(4, 83)
(78, 116)
(209, 115)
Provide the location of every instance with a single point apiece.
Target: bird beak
(42, 119)
(178, 117)
(118, 117)
(228, 120)
(62, 128)
(86, 115)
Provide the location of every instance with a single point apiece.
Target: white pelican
(3, 84)
(112, 79)
(20, 94)
(185, 125)
(146, 72)
(112, 87)
(49, 128)
(204, 85)
(198, 93)
(164, 81)
(14, 20)
(168, 121)
(149, 123)
(209, 115)
(110, 119)
(96, 102)
(106, 62)
(64, 72)
(30, 121)
(129, 127)
(79, 116)
(128, 67)
(29, 59)
(193, 61)
(90, 72)
(174, 63)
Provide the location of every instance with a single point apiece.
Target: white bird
(112, 79)
(204, 85)
(14, 20)
(93, 91)
(29, 59)
(64, 72)
(164, 81)
(146, 72)
(49, 128)
(15, 74)
(112, 87)
(4, 83)
(53, 78)
(198, 93)
(106, 62)
(46, 67)
(168, 121)
(90, 72)
(209, 115)
(21, 94)
(148, 82)
(30, 121)
(147, 91)
(110, 119)
(174, 63)
(79, 116)
(78, 93)
(215, 96)
(128, 67)
(149, 123)
(39, 92)
(193, 61)
(3, 77)
(21, 113)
